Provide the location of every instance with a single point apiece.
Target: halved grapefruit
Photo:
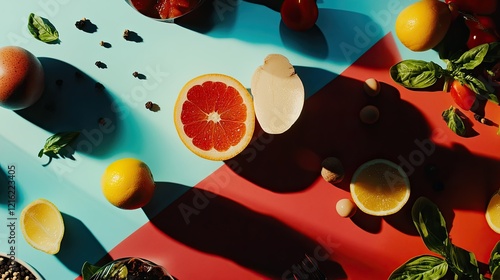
(214, 116)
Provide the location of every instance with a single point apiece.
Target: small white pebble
(372, 87)
(346, 208)
(369, 114)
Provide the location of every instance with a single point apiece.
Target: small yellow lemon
(380, 187)
(127, 183)
(493, 212)
(42, 226)
(423, 24)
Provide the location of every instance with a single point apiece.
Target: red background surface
(261, 212)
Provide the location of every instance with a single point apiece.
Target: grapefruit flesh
(214, 116)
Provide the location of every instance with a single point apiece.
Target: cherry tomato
(482, 30)
(463, 96)
(299, 15)
(481, 7)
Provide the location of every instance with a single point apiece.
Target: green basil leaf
(42, 29)
(479, 87)
(416, 73)
(494, 262)
(493, 54)
(454, 121)
(56, 142)
(421, 268)
(430, 225)
(462, 262)
(495, 274)
(472, 58)
(88, 270)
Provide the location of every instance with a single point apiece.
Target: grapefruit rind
(213, 154)
(386, 212)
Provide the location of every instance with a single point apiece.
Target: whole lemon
(423, 24)
(128, 183)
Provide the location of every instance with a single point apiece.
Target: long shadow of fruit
(72, 101)
(165, 193)
(225, 228)
(79, 245)
(330, 126)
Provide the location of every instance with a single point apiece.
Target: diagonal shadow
(73, 101)
(219, 226)
(79, 245)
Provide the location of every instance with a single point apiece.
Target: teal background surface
(234, 39)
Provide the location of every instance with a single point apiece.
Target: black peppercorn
(135, 74)
(100, 64)
(149, 105)
(81, 23)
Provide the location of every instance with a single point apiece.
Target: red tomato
(463, 96)
(481, 7)
(482, 30)
(299, 15)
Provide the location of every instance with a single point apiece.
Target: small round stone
(369, 114)
(332, 170)
(345, 208)
(372, 87)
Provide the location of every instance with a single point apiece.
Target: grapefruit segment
(214, 116)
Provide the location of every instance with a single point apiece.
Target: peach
(21, 78)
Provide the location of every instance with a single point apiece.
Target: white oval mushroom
(278, 94)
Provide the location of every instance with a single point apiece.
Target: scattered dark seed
(135, 74)
(149, 105)
(99, 86)
(105, 44)
(125, 33)
(59, 82)
(100, 64)
(81, 23)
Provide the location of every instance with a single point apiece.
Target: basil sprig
(55, 144)
(42, 29)
(454, 121)
(419, 74)
(431, 226)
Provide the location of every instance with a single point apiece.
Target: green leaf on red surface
(431, 225)
(422, 267)
(415, 74)
(462, 262)
(454, 121)
(494, 262)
